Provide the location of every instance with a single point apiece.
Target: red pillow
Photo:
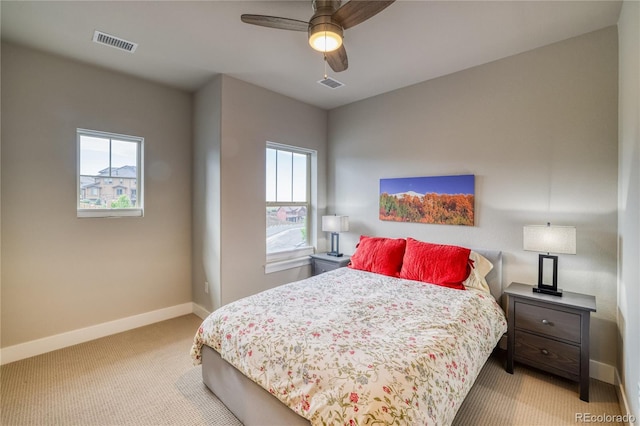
(440, 264)
(379, 255)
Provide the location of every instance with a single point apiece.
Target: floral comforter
(353, 347)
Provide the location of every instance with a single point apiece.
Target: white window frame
(131, 212)
(287, 259)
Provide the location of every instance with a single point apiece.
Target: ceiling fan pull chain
(324, 54)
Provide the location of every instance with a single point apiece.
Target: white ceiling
(185, 43)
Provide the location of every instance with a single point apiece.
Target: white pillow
(481, 267)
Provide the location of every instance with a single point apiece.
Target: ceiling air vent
(116, 42)
(331, 83)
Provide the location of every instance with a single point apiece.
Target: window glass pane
(124, 153)
(124, 160)
(94, 155)
(284, 184)
(299, 181)
(108, 175)
(271, 174)
(286, 228)
(287, 196)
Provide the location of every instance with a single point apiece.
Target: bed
(351, 346)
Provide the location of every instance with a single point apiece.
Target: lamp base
(335, 245)
(548, 291)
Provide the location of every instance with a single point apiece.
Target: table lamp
(549, 239)
(335, 224)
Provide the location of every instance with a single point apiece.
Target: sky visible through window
(286, 176)
(94, 154)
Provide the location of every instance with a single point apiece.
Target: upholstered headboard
(494, 278)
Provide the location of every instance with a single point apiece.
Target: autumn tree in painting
(447, 209)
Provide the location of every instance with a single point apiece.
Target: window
(288, 202)
(101, 157)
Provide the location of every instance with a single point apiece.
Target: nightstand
(322, 262)
(550, 333)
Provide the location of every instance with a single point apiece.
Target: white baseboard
(200, 311)
(603, 372)
(81, 335)
(622, 398)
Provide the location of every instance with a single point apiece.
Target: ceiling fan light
(325, 38)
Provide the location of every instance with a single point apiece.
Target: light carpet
(145, 377)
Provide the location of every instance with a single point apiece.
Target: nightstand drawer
(548, 354)
(550, 322)
(550, 332)
(323, 262)
(320, 266)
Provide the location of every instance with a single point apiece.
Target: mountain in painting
(401, 195)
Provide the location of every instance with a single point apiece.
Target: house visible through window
(101, 157)
(288, 202)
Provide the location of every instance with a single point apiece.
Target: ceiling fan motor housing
(322, 21)
(326, 27)
(319, 4)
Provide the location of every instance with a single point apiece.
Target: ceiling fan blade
(355, 12)
(275, 22)
(338, 59)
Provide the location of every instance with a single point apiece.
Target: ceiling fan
(326, 26)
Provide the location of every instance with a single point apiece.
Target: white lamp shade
(335, 223)
(549, 239)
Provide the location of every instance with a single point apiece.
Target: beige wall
(539, 132)
(206, 194)
(629, 204)
(61, 273)
(231, 253)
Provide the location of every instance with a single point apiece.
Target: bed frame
(253, 405)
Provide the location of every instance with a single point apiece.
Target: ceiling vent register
(331, 83)
(115, 42)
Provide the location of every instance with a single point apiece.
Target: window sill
(110, 213)
(286, 264)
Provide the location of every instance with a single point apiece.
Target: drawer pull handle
(544, 351)
(546, 322)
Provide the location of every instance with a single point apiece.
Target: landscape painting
(444, 200)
